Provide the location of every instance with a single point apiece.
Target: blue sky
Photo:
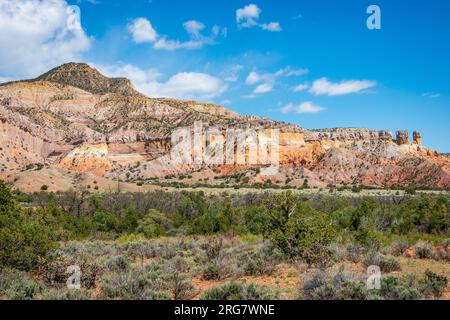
(250, 55)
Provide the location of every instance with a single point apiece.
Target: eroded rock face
(417, 138)
(402, 137)
(75, 118)
(88, 158)
(83, 76)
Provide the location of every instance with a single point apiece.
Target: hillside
(73, 120)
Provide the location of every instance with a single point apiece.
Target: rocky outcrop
(87, 158)
(75, 118)
(347, 134)
(417, 138)
(402, 137)
(81, 75)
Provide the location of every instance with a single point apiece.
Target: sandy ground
(64, 180)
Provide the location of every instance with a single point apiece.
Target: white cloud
(431, 95)
(248, 16)
(304, 107)
(290, 72)
(268, 80)
(194, 28)
(139, 77)
(190, 85)
(171, 45)
(325, 87)
(184, 85)
(263, 88)
(300, 87)
(232, 74)
(142, 31)
(253, 78)
(273, 26)
(38, 35)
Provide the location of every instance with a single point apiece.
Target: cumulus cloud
(142, 31)
(248, 17)
(183, 85)
(304, 107)
(194, 28)
(325, 87)
(255, 77)
(191, 85)
(38, 35)
(273, 26)
(263, 88)
(268, 80)
(300, 87)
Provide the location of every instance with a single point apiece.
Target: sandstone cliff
(74, 118)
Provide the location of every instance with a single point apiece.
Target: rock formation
(74, 118)
(417, 138)
(402, 137)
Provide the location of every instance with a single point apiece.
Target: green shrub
(211, 272)
(130, 220)
(180, 284)
(398, 248)
(64, 294)
(136, 284)
(18, 285)
(55, 273)
(119, 264)
(239, 291)
(434, 284)
(367, 237)
(257, 265)
(385, 264)
(423, 250)
(299, 230)
(389, 265)
(105, 221)
(310, 236)
(396, 288)
(256, 219)
(339, 287)
(24, 243)
(410, 190)
(25, 239)
(213, 248)
(7, 201)
(354, 253)
(155, 224)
